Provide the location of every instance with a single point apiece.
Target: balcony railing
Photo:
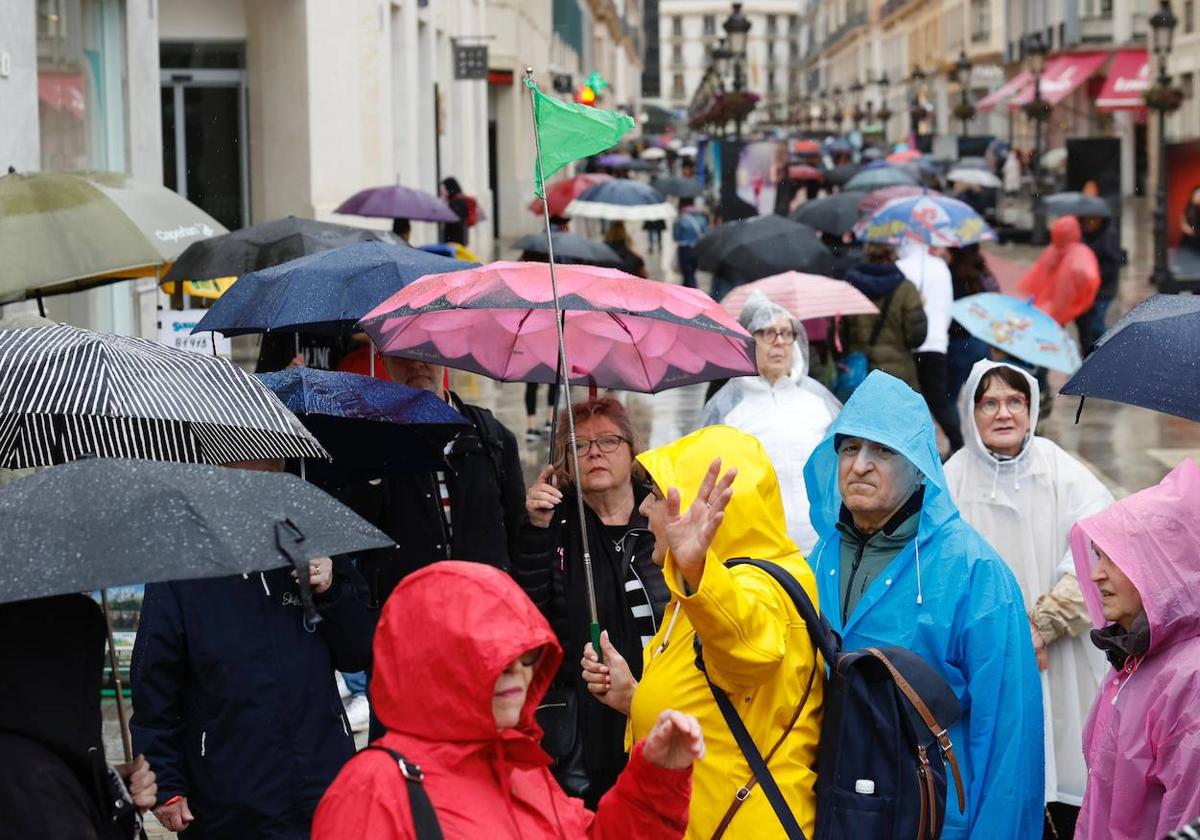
(853, 22)
(893, 6)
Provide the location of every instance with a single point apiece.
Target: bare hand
(140, 779)
(675, 742)
(610, 682)
(320, 574)
(690, 535)
(1039, 647)
(176, 816)
(297, 361)
(543, 497)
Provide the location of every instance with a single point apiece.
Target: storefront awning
(1128, 80)
(1062, 75)
(63, 92)
(1005, 92)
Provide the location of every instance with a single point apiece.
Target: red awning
(1127, 80)
(1062, 75)
(1005, 92)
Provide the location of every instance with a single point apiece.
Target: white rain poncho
(1025, 507)
(789, 418)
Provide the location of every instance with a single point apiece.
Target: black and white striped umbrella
(67, 392)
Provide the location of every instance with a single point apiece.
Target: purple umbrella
(614, 161)
(397, 202)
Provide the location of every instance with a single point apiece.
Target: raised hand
(543, 497)
(610, 682)
(675, 742)
(690, 535)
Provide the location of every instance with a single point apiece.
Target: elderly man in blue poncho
(896, 565)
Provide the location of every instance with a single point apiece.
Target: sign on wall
(470, 62)
(175, 330)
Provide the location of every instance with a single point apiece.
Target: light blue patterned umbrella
(1019, 328)
(936, 220)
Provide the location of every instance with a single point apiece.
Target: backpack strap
(883, 311)
(936, 728)
(424, 817)
(824, 638)
(492, 445)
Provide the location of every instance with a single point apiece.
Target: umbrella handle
(123, 719)
(288, 538)
(594, 629)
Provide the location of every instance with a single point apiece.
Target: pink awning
(1127, 80)
(1062, 75)
(63, 92)
(1005, 92)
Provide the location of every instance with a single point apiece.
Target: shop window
(710, 24)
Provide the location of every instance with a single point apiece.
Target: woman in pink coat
(1142, 739)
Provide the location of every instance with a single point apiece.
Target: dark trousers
(1091, 324)
(932, 374)
(687, 265)
(531, 389)
(1059, 821)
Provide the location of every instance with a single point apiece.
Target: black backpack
(881, 764)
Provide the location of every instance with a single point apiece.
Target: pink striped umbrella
(620, 331)
(806, 296)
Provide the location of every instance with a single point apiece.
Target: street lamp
(1038, 110)
(838, 114)
(885, 113)
(1164, 99)
(962, 74)
(737, 32)
(916, 110)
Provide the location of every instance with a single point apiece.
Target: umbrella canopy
(1054, 158)
(614, 160)
(803, 172)
(1018, 328)
(762, 246)
(804, 295)
(1077, 204)
(562, 193)
(262, 246)
(974, 177)
(67, 392)
(653, 153)
(1148, 358)
(621, 201)
(835, 214)
(875, 199)
(840, 175)
(806, 147)
(322, 293)
(973, 163)
(872, 153)
(371, 427)
(397, 202)
(677, 186)
(105, 522)
(640, 166)
(906, 156)
(568, 249)
(688, 151)
(620, 331)
(933, 219)
(883, 176)
(64, 231)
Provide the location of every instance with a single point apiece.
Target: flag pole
(564, 375)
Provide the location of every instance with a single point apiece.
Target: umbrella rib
(633, 343)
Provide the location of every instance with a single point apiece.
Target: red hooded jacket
(446, 634)
(1066, 277)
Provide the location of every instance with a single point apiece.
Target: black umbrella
(839, 175)
(1148, 358)
(760, 247)
(835, 214)
(262, 246)
(67, 392)
(677, 186)
(1077, 204)
(569, 248)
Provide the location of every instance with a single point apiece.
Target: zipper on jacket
(858, 556)
(441, 513)
(203, 746)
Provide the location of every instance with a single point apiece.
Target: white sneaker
(358, 712)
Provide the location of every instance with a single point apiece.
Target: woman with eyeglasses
(1023, 493)
(585, 739)
(787, 410)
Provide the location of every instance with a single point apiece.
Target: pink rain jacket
(1142, 739)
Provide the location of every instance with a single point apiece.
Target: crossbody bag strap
(883, 311)
(939, 731)
(424, 817)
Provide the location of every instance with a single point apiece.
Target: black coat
(549, 567)
(234, 699)
(487, 504)
(1106, 245)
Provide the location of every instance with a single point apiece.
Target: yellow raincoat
(756, 646)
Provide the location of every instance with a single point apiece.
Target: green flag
(568, 132)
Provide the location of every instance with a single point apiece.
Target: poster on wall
(175, 330)
(1183, 208)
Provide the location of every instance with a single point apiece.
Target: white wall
(19, 141)
(208, 20)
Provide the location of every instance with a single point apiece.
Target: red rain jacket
(1066, 277)
(445, 635)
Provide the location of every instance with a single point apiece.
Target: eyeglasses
(771, 336)
(605, 443)
(531, 658)
(990, 407)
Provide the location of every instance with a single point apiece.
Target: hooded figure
(1065, 278)
(436, 671)
(946, 596)
(1025, 506)
(1142, 740)
(756, 646)
(786, 409)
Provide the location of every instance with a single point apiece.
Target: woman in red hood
(462, 659)
(1066, 277)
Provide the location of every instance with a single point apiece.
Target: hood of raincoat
(1152, 536)
(446, 634)
(759, 311)
(1066, 231)
(875, 279)
(966, 412)
(754, 524)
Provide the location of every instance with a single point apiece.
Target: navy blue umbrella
(321, 293)
(1148, 359)
(371, 427)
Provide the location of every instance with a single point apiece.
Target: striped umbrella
(804, 295)
(67, 392)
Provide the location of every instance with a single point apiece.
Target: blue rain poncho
(948, 597)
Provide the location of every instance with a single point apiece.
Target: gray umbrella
(1077, 204)
(568, 248)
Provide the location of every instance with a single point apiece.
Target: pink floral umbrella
(620, 331)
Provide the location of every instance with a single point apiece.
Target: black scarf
(1120, 644)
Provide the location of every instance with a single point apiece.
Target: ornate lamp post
(885, 113)
(1038, 110)
(915, 109)
(836, 93)
(857, 114)
(1164, 99)
(737, 31)
(964, 111)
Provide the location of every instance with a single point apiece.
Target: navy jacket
(234, 699)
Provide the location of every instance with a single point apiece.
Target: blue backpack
(881, 763)
(854, 367)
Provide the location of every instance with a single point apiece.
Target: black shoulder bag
(425, 821)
